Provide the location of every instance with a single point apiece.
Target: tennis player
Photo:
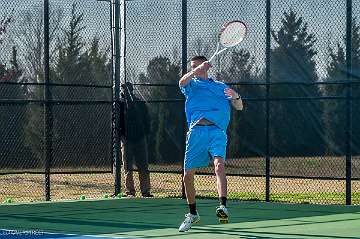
(207, 109)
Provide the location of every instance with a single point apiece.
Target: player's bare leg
(221, 182)
(192, 217)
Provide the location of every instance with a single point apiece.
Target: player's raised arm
(186, 78)
(198, 68)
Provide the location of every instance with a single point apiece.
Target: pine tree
(13, 120)
(335, 110)
(295, 124)
(81, 131)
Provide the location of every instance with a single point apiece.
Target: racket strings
(232, 34)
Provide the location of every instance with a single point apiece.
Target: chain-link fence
(295, 141)
(79, 105)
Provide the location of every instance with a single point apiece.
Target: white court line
(37, 232)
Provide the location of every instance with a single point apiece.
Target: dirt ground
(30, 187)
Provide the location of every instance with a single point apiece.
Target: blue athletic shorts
(202, 144)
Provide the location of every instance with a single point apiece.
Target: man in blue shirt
(207, 109)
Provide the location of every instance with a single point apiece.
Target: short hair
(201, 58)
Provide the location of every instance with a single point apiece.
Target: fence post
(183, 71)
(348, 100)
(47, 104)
(116, 100)
(267, 115)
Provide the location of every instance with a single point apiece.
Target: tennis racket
(231, 34)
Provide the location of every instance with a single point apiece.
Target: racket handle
(212, 58)
(217, 53)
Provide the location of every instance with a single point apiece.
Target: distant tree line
(82, 132)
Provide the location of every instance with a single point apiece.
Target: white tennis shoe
(223, 214)
(190, 219)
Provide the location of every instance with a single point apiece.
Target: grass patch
(325, 197)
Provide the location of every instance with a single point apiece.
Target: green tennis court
(160, 218)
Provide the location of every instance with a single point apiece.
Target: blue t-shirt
(206, 99)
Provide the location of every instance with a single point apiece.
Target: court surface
(160, 218)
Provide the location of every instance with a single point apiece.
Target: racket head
(232, 33)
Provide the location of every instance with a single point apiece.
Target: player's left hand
(231, 94)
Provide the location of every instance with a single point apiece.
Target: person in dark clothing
(134, 142)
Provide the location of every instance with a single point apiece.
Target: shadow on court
(160, 218)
